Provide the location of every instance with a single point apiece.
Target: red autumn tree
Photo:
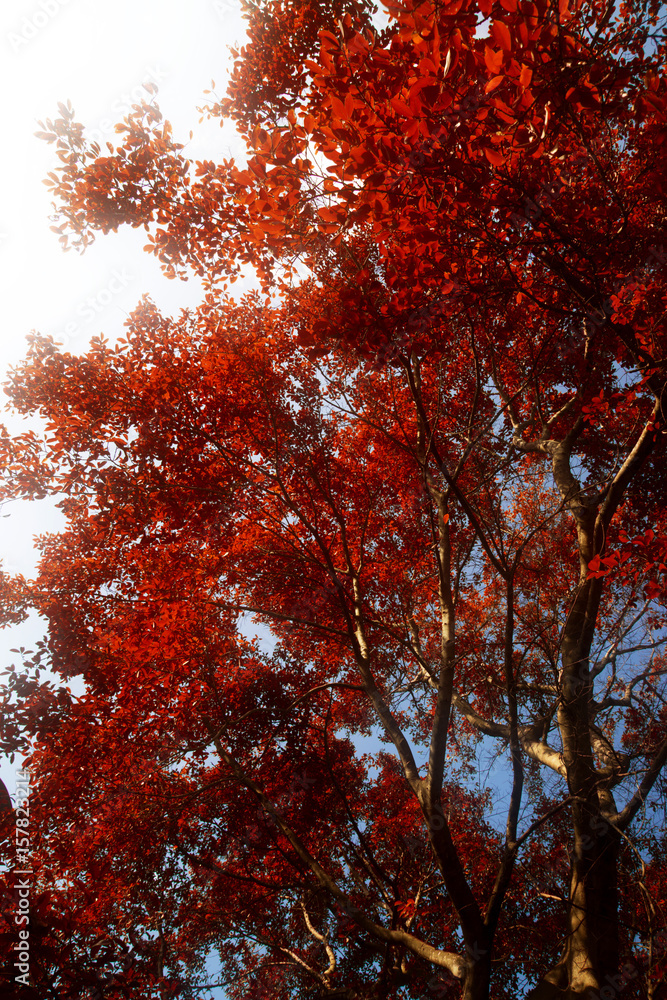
(428, 456)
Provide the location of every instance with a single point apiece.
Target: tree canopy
(426, 460)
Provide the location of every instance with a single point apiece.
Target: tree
(427, 455)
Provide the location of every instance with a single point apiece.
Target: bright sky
(96, 55)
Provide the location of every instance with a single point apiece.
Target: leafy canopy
(426, 457)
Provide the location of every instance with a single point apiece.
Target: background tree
(428, 454)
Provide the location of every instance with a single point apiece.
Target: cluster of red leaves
(355, 458)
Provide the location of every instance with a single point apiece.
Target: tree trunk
(591, 948)
(478, 979)
(590, 959)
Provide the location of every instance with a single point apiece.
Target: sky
(98, 56)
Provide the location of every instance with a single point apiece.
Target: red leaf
(493, 59)
(494, 157)
(501, 35)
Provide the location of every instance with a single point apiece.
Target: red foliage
(427, 460)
